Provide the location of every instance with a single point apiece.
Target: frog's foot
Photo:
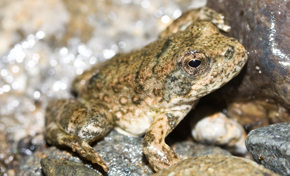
(157, 152)
(70, 123)
(82, 147)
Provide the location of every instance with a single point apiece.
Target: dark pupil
(194, 63)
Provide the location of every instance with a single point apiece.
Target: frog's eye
(194, 63)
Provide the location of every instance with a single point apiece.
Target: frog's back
(158, 78)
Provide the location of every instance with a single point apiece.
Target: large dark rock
(262, 26)
(270, 146)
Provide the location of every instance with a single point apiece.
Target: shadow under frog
(147, 91)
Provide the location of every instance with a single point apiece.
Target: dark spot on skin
(117, 87)
(125, 78)
(162, 132)
(172, 120)
(98, 86)
(230, 52)
(136, 100)
(242, 13)
(138, 72)
(160, 127)
(94, 77)
(148, 139)
(162, 51)
(173, 79)
(157, 92)
(285, 90)
(160, 140)
(138, 89)
(164, 48)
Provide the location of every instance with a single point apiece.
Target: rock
(262, 27)
(217, 129)
(53, 167)
(270, 146)
(123, 154)
(188, 149)
(216, 165)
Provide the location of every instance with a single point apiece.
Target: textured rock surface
(189, 149)
(262, 26)
(216, 165)
(54, 167)
(270, 146)
(123, 155)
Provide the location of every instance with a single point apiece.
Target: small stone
(216, 165)
(217, 129)
(270, 146)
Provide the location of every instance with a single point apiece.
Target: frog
(146, 92)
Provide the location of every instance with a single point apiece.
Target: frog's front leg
(71, 123)
(157, 152)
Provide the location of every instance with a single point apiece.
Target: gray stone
(123, 154)
(191, 149)
(217, 165)
(54, 167)
(270, 146)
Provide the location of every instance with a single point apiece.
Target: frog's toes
(87, 152)
(82, 147)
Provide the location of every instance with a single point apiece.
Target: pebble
(217, 165)
(54, 167)
(270, 146)
(217, 129)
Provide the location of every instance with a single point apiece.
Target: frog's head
(205, 60)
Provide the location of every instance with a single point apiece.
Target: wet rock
(123, 154)
(28, 144)
(262, 27)
(188, 149)
(270, 146)
(53, 167)
(216, 165)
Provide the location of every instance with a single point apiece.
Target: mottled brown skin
(146, 91)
